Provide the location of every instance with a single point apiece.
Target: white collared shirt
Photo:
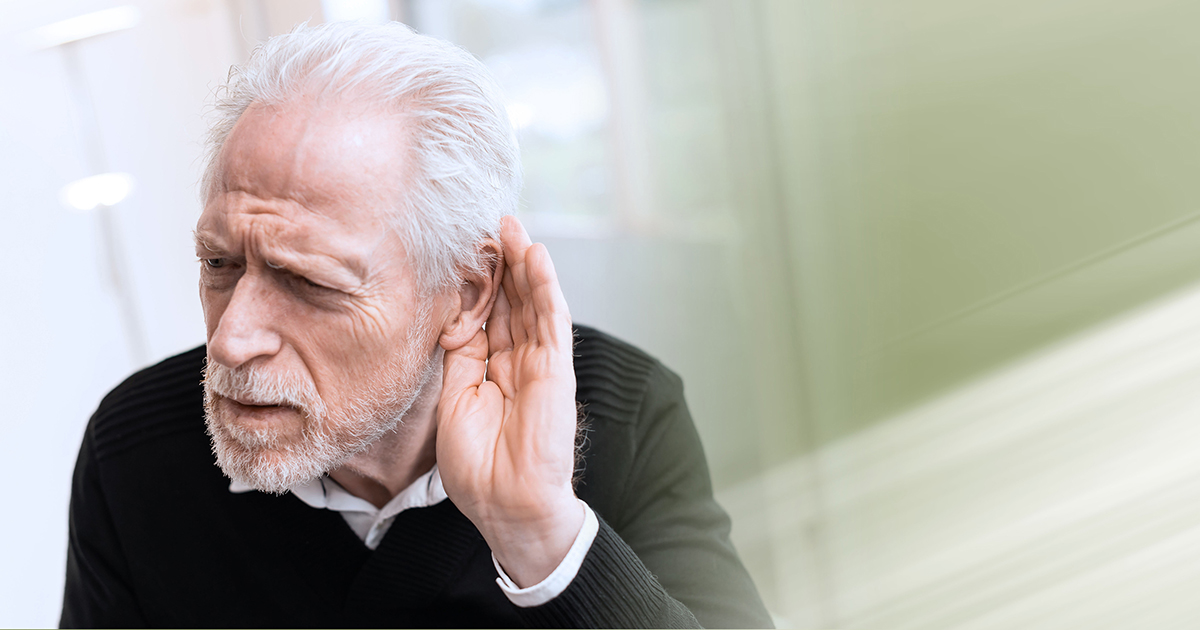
(370, 524)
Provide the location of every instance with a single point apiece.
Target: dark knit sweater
(157, 539)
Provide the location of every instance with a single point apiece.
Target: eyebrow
(293, 262)
(203, 241)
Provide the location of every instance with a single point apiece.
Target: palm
(505, 445)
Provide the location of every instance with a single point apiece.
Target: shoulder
(159, 401)
(617, 381)
(628, 398)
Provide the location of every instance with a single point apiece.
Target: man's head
(356, 179)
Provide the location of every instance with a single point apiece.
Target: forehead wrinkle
(282, 242)
(249, 196)
(218, 225)
(301, 261)
(244, 201)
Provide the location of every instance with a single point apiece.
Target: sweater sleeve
(97, 592)
(666, 559)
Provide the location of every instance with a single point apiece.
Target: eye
(215, 263)
(313, 285)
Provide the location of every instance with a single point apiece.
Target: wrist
(530, 547)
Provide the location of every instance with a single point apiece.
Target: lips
(246, 402)
(250, 408)
(251, 404)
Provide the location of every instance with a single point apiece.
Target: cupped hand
(507, 418)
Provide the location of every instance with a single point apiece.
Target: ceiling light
(83, 27)
(107, 189)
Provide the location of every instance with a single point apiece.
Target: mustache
(256, 386)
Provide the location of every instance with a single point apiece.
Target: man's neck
(402, 455)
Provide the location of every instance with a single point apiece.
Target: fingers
(549, 305)
(515, 242)
(516, 246)
(537, 308)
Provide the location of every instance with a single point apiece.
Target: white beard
(266, 460)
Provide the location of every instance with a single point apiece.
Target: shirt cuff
(561, 577)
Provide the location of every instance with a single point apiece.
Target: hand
(506, 445)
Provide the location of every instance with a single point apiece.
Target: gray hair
(464, 170)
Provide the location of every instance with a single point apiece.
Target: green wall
(963, 183)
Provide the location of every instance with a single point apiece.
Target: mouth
(246, 403)
(256, 409)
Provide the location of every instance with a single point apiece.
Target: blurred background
(928, 269)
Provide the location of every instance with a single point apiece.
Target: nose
(245, 330)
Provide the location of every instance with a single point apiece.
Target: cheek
(360, 336)
(373, 327)
(348, 349)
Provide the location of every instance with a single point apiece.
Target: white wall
(62, 345)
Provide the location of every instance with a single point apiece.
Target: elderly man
(382, 338)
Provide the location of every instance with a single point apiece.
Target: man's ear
(472, 305)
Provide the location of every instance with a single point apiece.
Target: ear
(472, 304)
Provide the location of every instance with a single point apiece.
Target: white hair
(464, 170)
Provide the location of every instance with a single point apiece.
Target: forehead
(328, 156)
(332, 166)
